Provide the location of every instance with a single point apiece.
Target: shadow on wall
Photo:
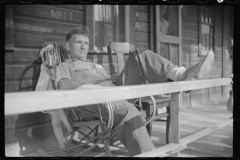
(35, 66)
(30, 126)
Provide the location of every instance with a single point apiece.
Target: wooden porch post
(175, 104)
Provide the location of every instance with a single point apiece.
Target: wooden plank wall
(227, 32)
(189, 44)
(190, 51)
(33, 26)
(141, 26)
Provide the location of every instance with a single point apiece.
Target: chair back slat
(120, 49)
(52, 55)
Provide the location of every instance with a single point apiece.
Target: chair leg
(95, 134)
(64, 153)
(149, 125)
(168, 125)
(107, 145)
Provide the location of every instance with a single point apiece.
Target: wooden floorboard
(216, 144)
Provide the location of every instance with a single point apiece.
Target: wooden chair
(144, 103)
(52, 56)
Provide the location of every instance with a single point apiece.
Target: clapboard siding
(16, 85)
(141, 26)
(190, 10)
(50, 12)
(142, 44)
(34, 26)
(42, 25)
(190, 26)
(22, 70)
(27, 39)
(141, 37)
(22, 56)
(190, 35)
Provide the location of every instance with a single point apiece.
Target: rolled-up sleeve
(63, 71)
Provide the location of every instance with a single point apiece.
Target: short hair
(78, 30)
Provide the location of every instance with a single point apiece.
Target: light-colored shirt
(85, 72)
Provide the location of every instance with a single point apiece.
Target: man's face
(78, 45)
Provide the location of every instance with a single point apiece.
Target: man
(79, 72)
(230, 100)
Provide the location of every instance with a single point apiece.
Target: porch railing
(25, 102)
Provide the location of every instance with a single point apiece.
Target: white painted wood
(120, 49)
(175, 103)
(206, 131)
(25, 102)
(171, 147)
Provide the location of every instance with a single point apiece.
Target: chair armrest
(159, 100)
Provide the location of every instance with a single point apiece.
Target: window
(168, 22)
(206, 29)
(109, 25)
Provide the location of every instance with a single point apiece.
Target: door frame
(156, 37)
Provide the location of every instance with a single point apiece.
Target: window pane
(206, 29)
(209, 44)
(109, 25)
(99, 13)
(174, 54)
(99, 34)
(109, 34)
(169, 20)
(109, 13)
(203, 43)
(116, 12)
(164, 50)
(206, 15)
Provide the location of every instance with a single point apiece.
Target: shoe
(199, 70)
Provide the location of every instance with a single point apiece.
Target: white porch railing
(25, 102)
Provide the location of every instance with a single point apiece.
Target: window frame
(90, 23)
(202, 52)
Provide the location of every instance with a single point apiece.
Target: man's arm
(66, 84)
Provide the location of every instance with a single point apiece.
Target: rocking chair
(52, 56)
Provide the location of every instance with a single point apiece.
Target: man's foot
(199, 70)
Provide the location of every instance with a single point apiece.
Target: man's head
(77, 42)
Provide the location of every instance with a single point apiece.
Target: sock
(176, 73)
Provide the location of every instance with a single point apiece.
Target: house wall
(32, 26)
(141, 26)
(190, 50)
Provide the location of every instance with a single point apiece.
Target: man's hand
(90, 86)
(114, 78)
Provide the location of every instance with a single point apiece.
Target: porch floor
(216, 144)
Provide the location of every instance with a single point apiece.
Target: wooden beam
(127, 23)
(204, 132)
(175, 105)
(17, 103)
(158, 152)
